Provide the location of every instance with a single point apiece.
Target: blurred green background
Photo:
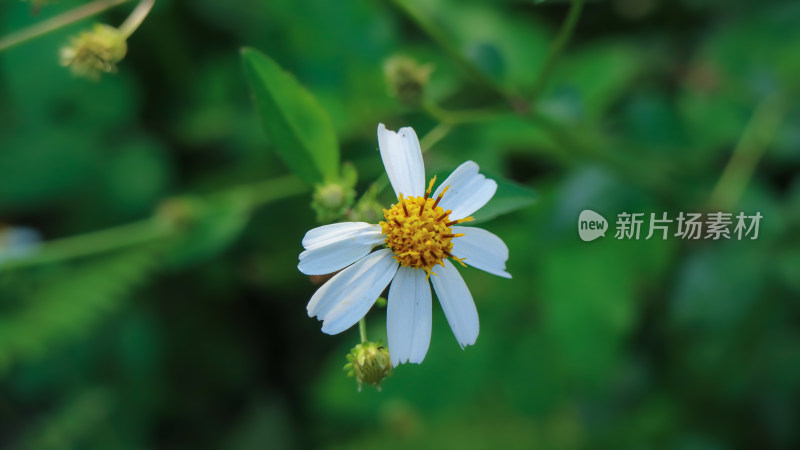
(163, 307)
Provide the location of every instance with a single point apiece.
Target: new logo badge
(591, 225)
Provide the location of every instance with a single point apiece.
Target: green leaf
(509, 197)
(298, 126)
(53, 306)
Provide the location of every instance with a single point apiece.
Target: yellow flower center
(419, 231)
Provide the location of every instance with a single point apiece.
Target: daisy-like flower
(419, 237)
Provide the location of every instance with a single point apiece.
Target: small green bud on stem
(333, 200)
(369, 362)
(407, 79)
(180, 213)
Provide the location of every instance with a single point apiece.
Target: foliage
(300, 128)
(163, 308)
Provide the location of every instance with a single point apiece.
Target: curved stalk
(60, 21)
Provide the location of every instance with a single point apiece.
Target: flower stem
(362, 329)
(433, 31)
(564, 34)
(461, 116)
(136, 233)
(264, 192)
(60, 21)
(755, 139)
(573, 148)
(436, 134)
(136, 18)
(152, 228)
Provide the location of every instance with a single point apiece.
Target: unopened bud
(95, 51)
(369, 362)
(331, 201)
(406, 79)
(179, 213)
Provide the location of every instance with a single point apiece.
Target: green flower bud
(369, 362)
(330, 196)
(331, 201)
(95, 51)
(406, 79)
(179, 213)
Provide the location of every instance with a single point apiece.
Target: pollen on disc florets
(419, 231)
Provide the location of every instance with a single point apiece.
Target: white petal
(468, 192)
(402, 159)
(457, 303)
(347, 297)
(335, 231)
(408, 316)
(338, 249)
(482, 249)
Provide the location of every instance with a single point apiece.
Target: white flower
(419, 233)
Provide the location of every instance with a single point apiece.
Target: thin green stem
(136, 18)
(60, 21)
(263, 192)
(432, 137)
(153, 228)
(563, 37)
(459, 117)
(377, 186)
(756, 138)
(442, 40)
(100, 241)
(362, 329)
(575, 148)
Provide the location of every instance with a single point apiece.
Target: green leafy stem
(515, 102)
(154, 228)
